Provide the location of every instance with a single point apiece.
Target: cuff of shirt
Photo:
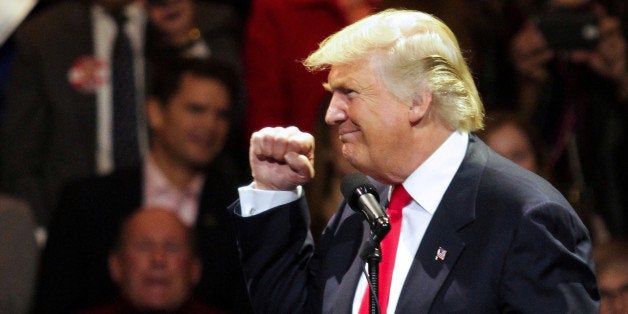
(254, 201)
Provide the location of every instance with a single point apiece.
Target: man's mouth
(347, 134)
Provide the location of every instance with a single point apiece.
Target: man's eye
(349, 92)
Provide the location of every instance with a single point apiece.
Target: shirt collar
(160, 183)
(428, 183)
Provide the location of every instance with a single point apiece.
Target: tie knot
(399, 198)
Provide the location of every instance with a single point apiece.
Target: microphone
(362, 197)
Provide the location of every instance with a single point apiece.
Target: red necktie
(398, 200)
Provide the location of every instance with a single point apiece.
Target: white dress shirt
(104, 33)
(160, 192)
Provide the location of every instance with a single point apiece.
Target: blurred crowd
(94, 233)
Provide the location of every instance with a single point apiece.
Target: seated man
(155, 265)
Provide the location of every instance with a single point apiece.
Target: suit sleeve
(275, 248)
(24, 129)
(549, 268)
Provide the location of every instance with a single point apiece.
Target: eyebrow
(338, 85)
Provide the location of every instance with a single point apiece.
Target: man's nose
(337, 110)
(158, 256)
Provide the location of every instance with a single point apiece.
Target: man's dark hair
(167, 75)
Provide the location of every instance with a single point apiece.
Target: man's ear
(421, 104)
(154, 112)
(115, 268)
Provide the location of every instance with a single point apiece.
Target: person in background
(58, 122)
(189, 113)
(510, 137)
(155, 265)
(471, 231)
(611, 263)
(576, 91)
(18, 255)
(200, 29)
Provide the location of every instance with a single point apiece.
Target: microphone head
(355, 185)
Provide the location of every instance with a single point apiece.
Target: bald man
(155, 265)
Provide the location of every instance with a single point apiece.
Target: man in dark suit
(476, 233)
(57, 120)
(189, 115)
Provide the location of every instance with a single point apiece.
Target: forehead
(191, 80)
(349, 75)
(155, 224)
(203, 90)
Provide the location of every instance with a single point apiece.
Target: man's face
(192, 128)
(155, 268)
(373, 124)
(172, 16)
(613, 285)
(511, 142)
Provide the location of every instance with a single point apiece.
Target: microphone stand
(372, 254)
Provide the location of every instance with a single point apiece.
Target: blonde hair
(415, 50)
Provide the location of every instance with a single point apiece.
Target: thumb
(301, 165)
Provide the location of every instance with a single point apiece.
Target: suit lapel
(341, 282)
(457, 209)
(340, 291)
(76, 29)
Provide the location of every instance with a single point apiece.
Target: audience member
(155, 265)
(189, 116)
(280, 34)
(200, 29)
(510, 137)
(59, 116)
(18, 255)
(576, 92)
(611, 263)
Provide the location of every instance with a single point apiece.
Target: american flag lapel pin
(440, 254)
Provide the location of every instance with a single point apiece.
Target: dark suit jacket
(74, 273)
(513, 244)
(48, 134)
